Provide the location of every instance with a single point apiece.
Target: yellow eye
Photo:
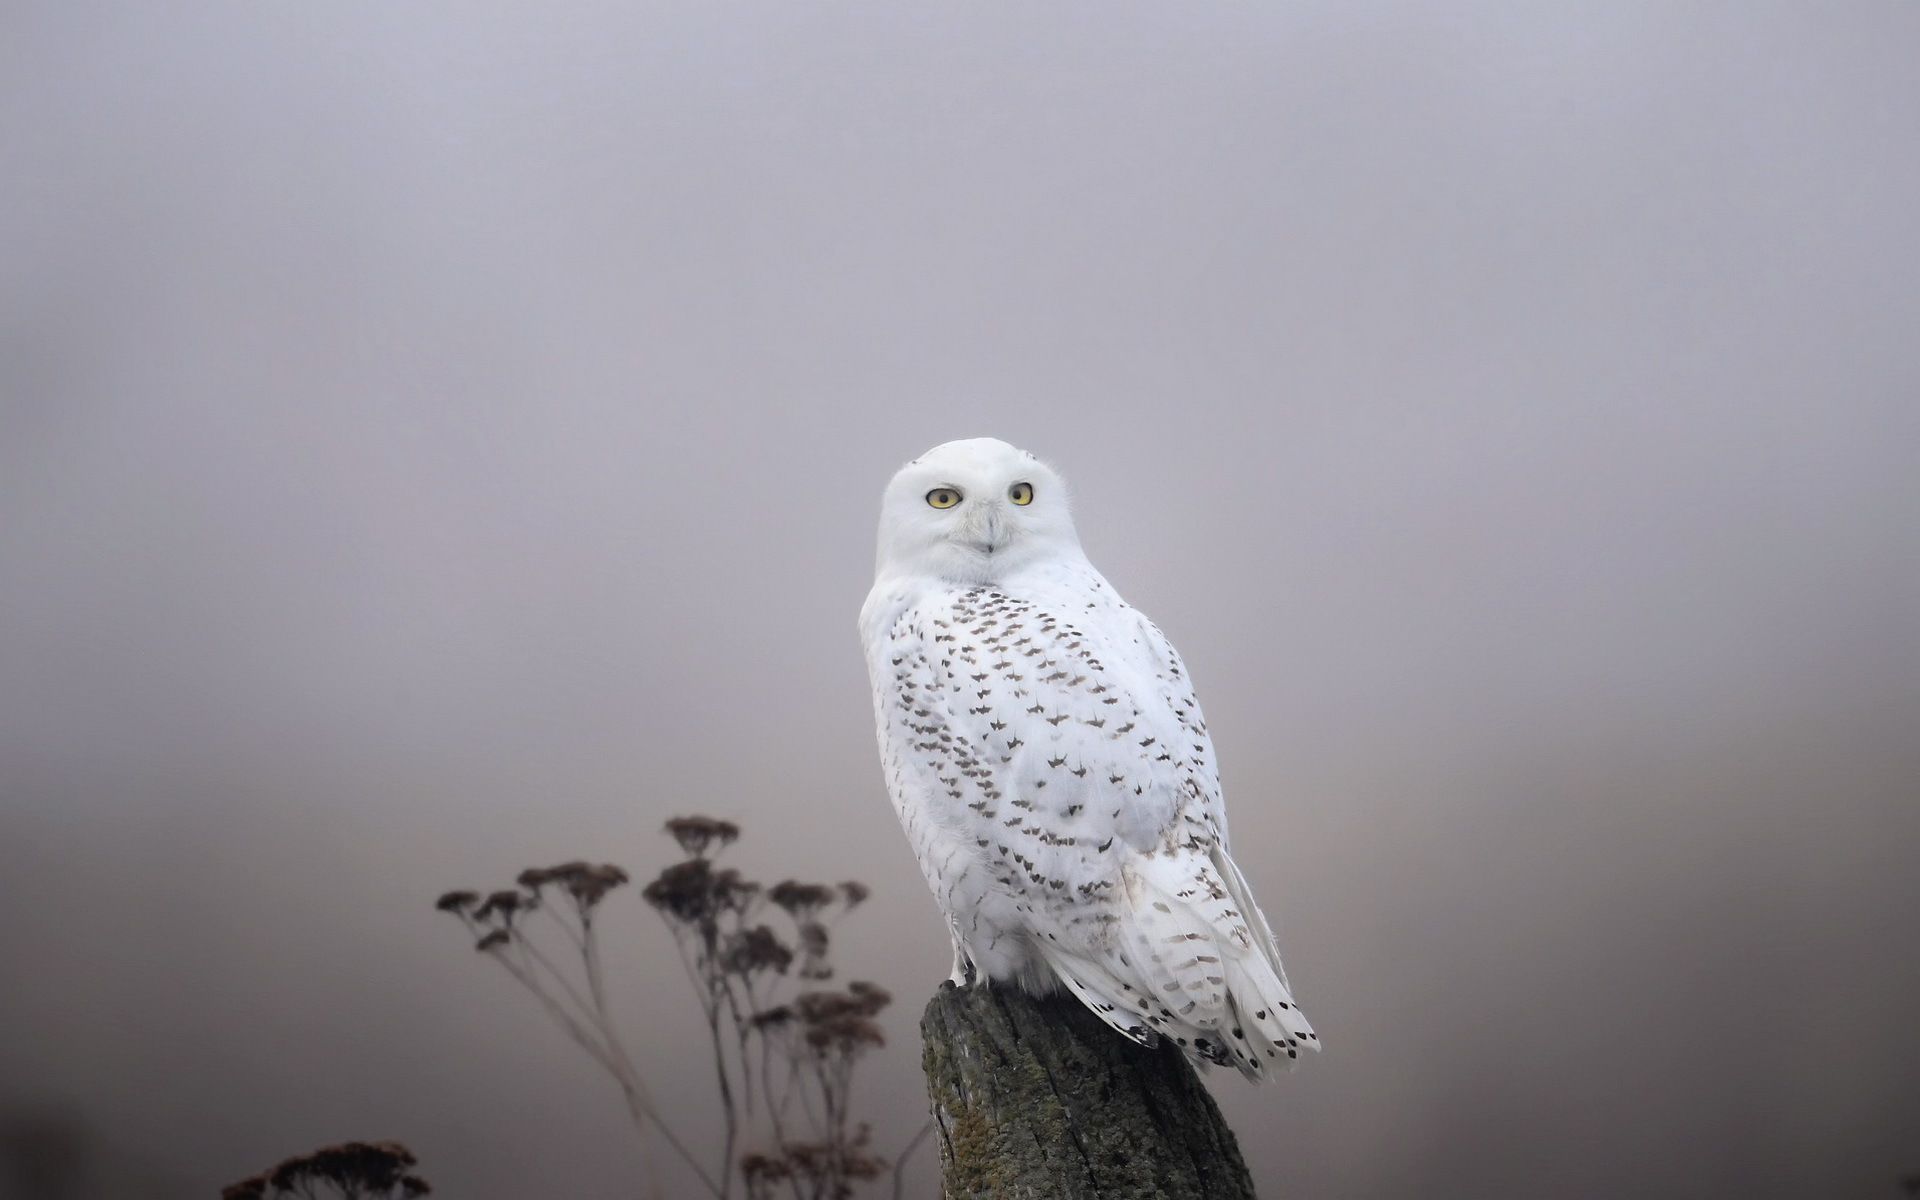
(1021, 493)
(943, 497)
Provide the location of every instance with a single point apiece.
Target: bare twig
(900, 1160)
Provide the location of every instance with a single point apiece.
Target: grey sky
(440, 438)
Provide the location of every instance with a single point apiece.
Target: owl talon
(963, 972)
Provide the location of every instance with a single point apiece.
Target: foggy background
(439, 439)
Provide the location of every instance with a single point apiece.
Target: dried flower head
(741, 895)
(586, 883)
(503, 905)
(842, 1022)
(493, 941)
(751, 951)
(765, 1168)
(535, 878)
(870, 996)
(813, 951)
(349, 1169)
(591, 884)
(801, 900)
(456, 901)
(698, 834)
(835, 1161)
(818, 1007)
(684, 891)
(852, 892)
(695, 893)
(846, 1035)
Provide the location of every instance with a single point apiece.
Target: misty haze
(437, 440)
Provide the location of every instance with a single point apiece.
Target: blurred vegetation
(349, 1171)
(785, 1045)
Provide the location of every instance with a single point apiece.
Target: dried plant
(350, 1171)
(783, 1063)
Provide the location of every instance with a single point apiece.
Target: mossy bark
(1036, 1099)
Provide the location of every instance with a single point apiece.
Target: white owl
(1049, 763)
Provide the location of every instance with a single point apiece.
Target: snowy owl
(1050, 766)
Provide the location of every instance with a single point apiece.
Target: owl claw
(963, 972)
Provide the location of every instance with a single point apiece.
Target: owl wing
(1072, 763)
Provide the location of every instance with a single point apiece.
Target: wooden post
(1036, 1099)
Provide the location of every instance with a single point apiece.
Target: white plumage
(1051, 768)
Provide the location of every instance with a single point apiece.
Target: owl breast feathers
(1052, 770)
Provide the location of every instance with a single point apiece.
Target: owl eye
(1021, 493)
(943, 497)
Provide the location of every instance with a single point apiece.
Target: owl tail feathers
(1257, 1026)
(1097, 988)
(1267, 1024)
(1190, 959)
(1204, 965)
(1259, 983)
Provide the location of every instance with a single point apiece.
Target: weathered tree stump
(1036, 1099)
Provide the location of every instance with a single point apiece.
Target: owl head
(974, 511)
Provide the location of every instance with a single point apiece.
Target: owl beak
(988, 530)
